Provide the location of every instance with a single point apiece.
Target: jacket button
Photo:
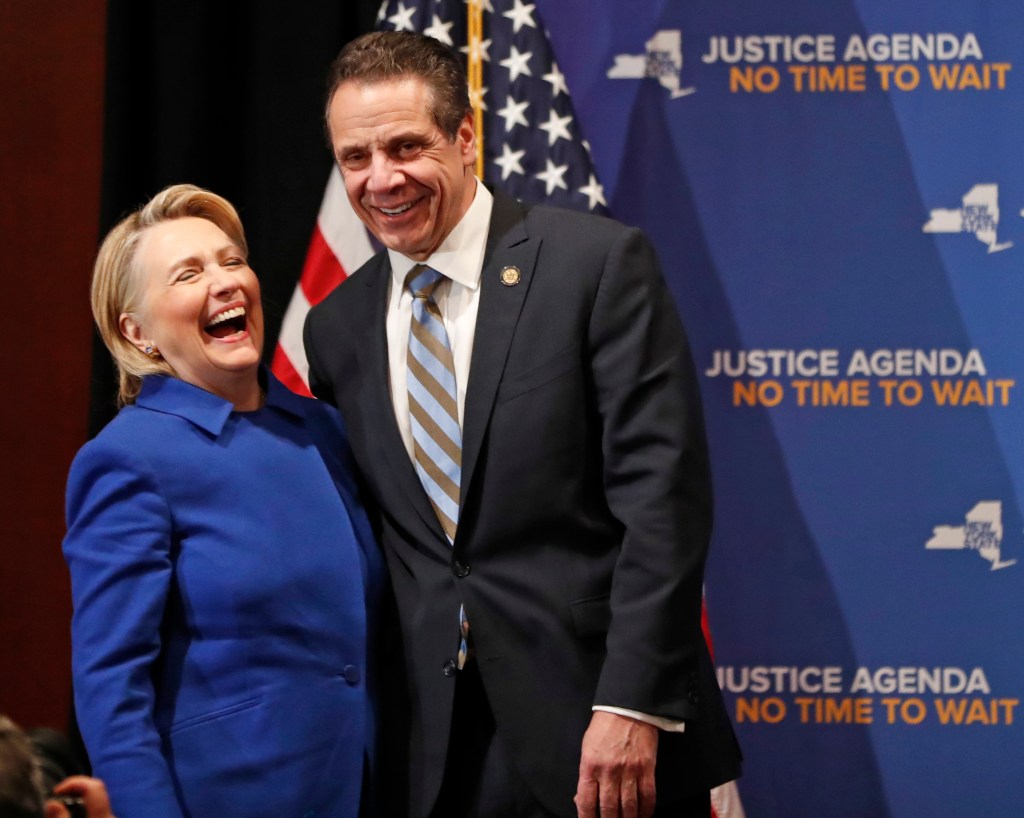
(449, 667)
(460, 568)
(351, 674)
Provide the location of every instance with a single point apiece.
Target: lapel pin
(510, 276)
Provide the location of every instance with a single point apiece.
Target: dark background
(102, 104)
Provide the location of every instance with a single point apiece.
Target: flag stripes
(339, 246)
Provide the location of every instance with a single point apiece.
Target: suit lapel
(508, 245)
(381, 411)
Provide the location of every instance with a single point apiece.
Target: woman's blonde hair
(116, 278)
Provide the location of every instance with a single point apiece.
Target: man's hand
(617, 768)
(92, 792)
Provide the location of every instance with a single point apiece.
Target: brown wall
(51, 89)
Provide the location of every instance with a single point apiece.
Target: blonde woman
(224, 576)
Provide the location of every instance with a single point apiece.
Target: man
(529, 425)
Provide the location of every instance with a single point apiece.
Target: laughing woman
(224, 576)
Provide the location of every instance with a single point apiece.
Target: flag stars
(521, 15)
(517, 64)
(477, 98)
(510, 162)
(478, 50)
(514, 113)
(557, 81)
(552, 177)
(594, 192)
(557, 127)
(439, 30)
(402, 18)
(519, 112)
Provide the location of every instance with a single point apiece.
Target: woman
(223, 572)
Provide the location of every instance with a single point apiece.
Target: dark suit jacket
(586, 503)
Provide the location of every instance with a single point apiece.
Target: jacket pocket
(519, 383)
(213, 715)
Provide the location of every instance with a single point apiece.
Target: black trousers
(480, 780)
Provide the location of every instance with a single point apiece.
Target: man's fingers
(586, 796)
(646, 794)
(608, 797)
(617, 763)
(92, 791)
(629, 798)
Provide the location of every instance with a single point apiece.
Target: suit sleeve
(657, 484)
(118, 551)
(319, 385)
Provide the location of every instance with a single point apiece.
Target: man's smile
(396, 211)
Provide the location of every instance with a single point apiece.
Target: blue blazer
(225, 583)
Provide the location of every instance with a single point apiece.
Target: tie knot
(422, 280)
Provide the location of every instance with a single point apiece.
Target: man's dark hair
(391, 55)
(21, 783)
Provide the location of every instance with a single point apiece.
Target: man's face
(405, 180)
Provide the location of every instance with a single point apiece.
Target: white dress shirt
(460, 258)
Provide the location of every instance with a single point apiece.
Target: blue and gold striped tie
(434, 410)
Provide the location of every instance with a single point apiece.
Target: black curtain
(228, 96)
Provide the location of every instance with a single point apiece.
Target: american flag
(533, 150)
(533, 147)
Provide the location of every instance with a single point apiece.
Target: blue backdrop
(836, 194)
(836, 191)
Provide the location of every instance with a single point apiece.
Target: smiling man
(524, 409)
(408, 180)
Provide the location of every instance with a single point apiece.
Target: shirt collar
(461, 255)
(173, 396)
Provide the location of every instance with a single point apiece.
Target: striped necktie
(434, 410)
(433, 406)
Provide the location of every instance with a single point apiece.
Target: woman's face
(199, 306)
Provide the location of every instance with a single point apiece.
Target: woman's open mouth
(227, 323)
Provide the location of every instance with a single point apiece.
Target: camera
(72, 803)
